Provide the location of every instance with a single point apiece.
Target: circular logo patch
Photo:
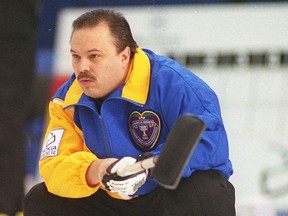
(144, 128)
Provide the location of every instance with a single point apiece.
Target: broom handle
(138, 166)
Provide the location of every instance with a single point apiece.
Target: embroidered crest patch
(144, 128)
(51, 145)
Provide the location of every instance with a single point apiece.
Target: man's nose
(84, 65)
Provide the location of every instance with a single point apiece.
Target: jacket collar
(136, 86)
(137, 83)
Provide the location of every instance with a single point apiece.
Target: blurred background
(239, 48)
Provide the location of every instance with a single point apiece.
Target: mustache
(85, 75)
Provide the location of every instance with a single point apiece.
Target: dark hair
(116, 22)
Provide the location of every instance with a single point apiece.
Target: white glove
(124, 186)
(120, 164)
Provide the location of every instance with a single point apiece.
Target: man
(90, 134)
(17, 45)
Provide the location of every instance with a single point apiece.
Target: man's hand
(127, 185)
(120, 164)
(124, 185)
(97, 170)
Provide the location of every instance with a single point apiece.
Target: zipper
(108, 150)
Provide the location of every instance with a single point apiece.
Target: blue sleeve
(196, 97)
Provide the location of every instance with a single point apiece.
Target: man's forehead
(96, 39)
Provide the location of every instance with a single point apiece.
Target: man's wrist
(97, 170)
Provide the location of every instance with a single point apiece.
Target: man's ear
(125, 55)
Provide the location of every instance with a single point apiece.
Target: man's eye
(94, 56)
(75, 56)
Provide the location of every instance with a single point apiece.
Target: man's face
(97, 65)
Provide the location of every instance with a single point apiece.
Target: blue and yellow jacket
(135, 118)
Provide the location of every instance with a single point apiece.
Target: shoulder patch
(51, 144)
